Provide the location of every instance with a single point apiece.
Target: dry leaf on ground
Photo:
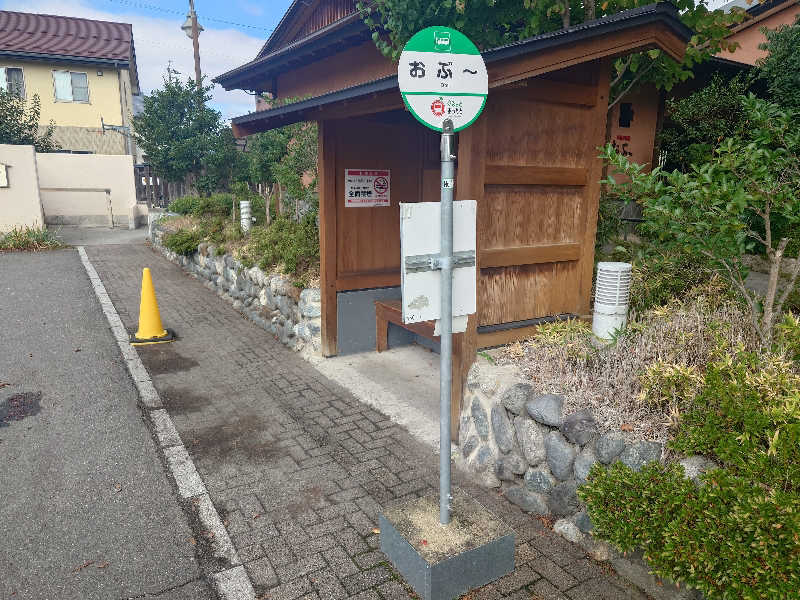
(83, 566)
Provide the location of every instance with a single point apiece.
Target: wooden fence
(155, 191)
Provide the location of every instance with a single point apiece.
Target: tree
(299, 164)
(20, 124)
(287, 157)
(265, 151)
(492, 23)
(177, 131)
(781, 68)
(694, 125)
(722, 209)
(222, 164)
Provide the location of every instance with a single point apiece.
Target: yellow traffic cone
(151, 331)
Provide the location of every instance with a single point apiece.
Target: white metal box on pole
(420, 237)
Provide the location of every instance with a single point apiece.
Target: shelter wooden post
(592, 203)
(470, 178)
(327, 236)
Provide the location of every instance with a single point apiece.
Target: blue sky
(234, 32)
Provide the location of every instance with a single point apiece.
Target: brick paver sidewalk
(297, 467)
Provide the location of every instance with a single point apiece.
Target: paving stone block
(366, 579)
(554, 574)
(393, 590)
(261, 573)
(340, 562)
(300, 568)
(327, 585)
(544, 590)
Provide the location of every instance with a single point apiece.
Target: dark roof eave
(762, 7)
(64, 58)
(350, 27)
(365, 89)
(662, 13)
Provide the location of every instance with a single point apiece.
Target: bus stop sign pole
(444, 84)
(446, 321)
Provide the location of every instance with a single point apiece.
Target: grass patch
(634, 380)
(184, 241)
(29, 239)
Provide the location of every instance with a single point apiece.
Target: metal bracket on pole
(434, 262)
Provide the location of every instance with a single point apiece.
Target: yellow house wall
(104, 93)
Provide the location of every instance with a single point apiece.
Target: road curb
(232, 583)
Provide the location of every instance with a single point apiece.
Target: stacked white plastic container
(245, 214)
(612, 293)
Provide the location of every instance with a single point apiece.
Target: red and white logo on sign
(381, 185)
(437, 107)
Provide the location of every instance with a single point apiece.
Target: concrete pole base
(443, 562)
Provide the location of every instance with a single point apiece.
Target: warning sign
(366, 187)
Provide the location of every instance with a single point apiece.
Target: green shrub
(748, 416)
(738, 535)
(184, 241)
(729, 538)
(292, 246)
(787, 337)
(183, 205)
(216, 205)
(659, 278)
(29, 238)
(609, 220)
(669, 384)
(694, 125)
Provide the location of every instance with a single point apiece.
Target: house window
(11, 80)
(70, 86)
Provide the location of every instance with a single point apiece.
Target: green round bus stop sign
(442, 76)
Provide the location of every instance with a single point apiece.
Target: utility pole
(192, 30)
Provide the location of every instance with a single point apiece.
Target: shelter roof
(303, 18)
(655, 25)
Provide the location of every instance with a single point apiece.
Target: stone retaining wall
(522, 442)
(271, 301)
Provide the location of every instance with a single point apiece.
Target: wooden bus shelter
(530, 160)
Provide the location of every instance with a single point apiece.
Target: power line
(171, 11)
(144, 40)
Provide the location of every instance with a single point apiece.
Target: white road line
(230, 584)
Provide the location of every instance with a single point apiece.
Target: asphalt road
(86, 508)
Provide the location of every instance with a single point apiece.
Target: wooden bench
(391, 311)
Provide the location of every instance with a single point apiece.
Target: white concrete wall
(20, 204)
(87, 189)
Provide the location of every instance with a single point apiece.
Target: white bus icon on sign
(441, 41)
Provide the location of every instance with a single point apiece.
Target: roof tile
(71, 36)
